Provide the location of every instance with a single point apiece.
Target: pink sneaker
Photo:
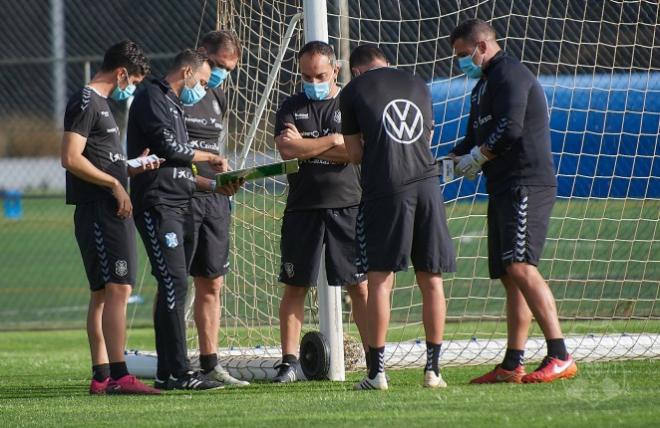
(97, 387)
(129, 384)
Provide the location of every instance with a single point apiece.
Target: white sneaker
(221, 375)
(379, 382)
(431, 380)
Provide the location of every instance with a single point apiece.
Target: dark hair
(318, 48)
(190, 58)
(213, 41)
(126, 54)
(470, 31)
(365, 54)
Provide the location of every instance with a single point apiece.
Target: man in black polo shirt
(96, 179)
(162, 205)
(322, 204)
(211, 211)
(387, 122)
(509, 138)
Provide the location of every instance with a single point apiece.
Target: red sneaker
(552, 369)
(499, 375)
(97, 387)
(129, 384)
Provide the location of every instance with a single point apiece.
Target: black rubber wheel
(315, 356)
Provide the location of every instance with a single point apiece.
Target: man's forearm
(306, 148)
(336, 154)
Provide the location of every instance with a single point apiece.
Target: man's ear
(355, 72)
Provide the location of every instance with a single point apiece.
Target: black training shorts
(212, 218)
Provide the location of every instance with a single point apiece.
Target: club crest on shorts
(288, 268)
(171, 240)
(121, 268)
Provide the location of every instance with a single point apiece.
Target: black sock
(101, 372)
(557, 348)
(432, 357)
(289, 359)
(512, 359)
(376, 361)
(208, 362)
(118, 370)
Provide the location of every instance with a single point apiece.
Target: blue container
(13, 206)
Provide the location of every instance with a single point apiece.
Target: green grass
(44, 380)
(602, 261)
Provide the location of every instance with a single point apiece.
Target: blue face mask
(190, 96)
(218, 75)
(123, 94)
(467, 66)
(316, 91)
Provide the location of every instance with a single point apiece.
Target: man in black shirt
(387, 122)
(509, 137)
(162, 205)
(211, 211)
(322, 204)
(96, 179)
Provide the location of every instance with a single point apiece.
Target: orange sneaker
(552, 369)
(499, 375)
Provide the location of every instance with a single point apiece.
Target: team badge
(121, 267)
(337, 116)
(288, 268)
(170, 240)
(216, 107)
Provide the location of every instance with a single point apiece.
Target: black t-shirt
(509, 114)
(392, 109)
(89, 115)
(204, 122)
(156, 121)
(318, 183)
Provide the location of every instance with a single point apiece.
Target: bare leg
(434, 308)
(358, 294)
(114, 320)
(538, 296)
(518, 315)
(207, 312)
(378, 307)
(95, 328)
(292, 313)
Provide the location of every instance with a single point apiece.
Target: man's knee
(358, 291)
(208, 286)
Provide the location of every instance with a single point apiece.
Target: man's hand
(470, 164)
(219, 164)
(290, 132)
(147, 165)
(125, 208)
(230, 188)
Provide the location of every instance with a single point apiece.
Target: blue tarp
(604, 132)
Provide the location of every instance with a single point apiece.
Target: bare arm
(354, 148)
(292, 145)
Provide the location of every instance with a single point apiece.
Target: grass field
(44, 380)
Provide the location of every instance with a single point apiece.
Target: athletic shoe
(96, 387)
(163, 385)
(221, 375)
(500, 375)
(129, 384)
(195, 381)
(379, 382)
(285, 373)
(432, 380)
(552, 369)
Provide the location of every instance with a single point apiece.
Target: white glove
(470, 164)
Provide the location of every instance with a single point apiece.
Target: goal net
(599, 64)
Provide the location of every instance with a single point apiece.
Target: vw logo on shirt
(403, 121)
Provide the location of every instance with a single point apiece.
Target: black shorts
(410, 224)
(212, 218)
(107, 244)
(303, 236)
(517, 226)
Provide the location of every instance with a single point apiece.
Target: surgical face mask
(190, 96)
(218, 75)
(123, 94)
(467, 66)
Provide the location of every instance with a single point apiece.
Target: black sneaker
(163, 385)
(195, 381)
(285, 373)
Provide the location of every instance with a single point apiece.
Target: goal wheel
(315, 356)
